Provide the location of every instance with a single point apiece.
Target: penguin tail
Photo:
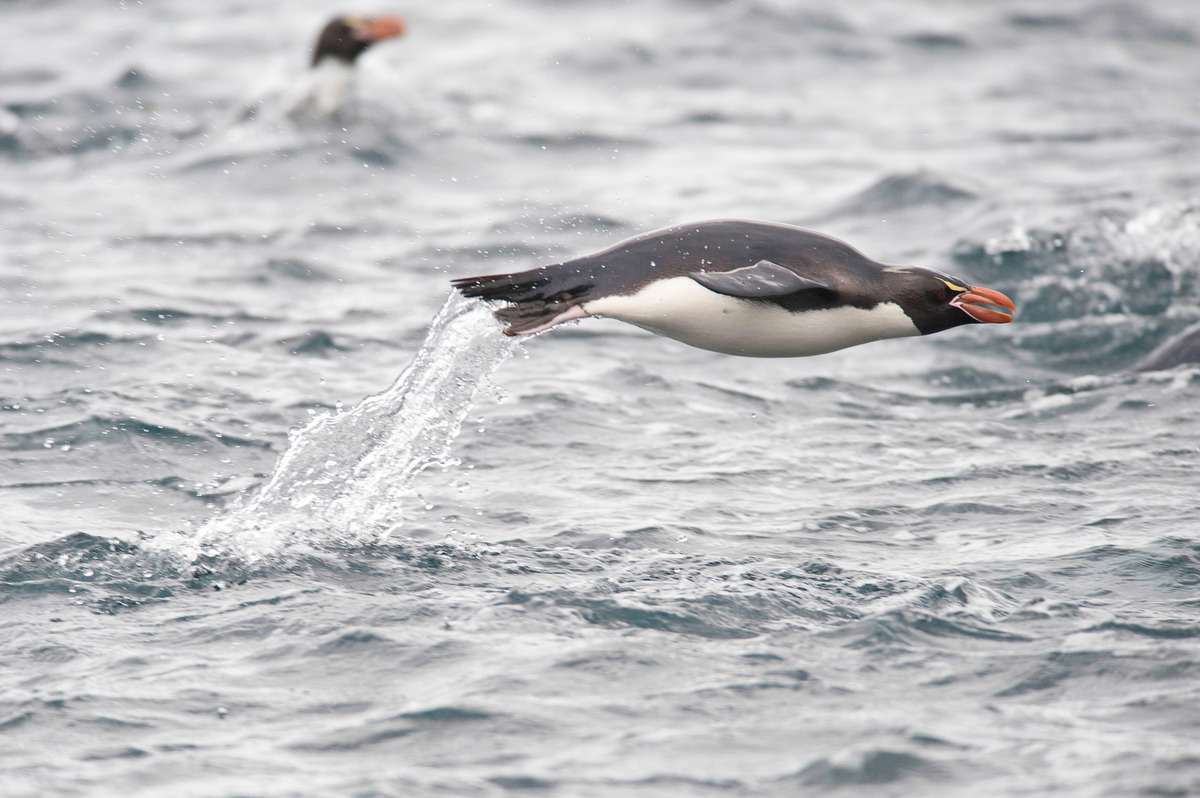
(535, 302)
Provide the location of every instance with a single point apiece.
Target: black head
(345, 38)
(936, 301)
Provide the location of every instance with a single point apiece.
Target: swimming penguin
(757, 289)
(329, 86)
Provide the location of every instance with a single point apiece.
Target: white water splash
(345, 477)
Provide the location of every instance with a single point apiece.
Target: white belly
(329, 88)
(682, 309)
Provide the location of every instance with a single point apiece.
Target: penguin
(329, 85)
(749, 288)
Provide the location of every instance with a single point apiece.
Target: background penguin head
(345, 38)
(936, 301)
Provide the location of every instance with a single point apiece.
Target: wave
(983, 389)
(902, 191)
(1102, 293)
(106, 429)
(1181, 350)
(872, 767)
(104, 573)
(64, 348)
(165, 316)
(120, 118)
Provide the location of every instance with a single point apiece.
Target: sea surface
(279, 516)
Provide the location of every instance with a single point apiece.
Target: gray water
(283, 518)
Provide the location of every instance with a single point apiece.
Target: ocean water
(282, 517)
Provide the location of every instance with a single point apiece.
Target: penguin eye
(938, 295)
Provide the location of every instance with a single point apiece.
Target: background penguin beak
(985, 305)
(380, 28)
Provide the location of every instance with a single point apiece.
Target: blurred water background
(967, 564)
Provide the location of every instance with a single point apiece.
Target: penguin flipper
(538, 299)
(763, 280)
(530, 318)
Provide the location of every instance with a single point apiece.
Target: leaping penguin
(757, 289)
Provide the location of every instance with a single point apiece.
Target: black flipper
(763, 280)
(537, 297)
(518, 287)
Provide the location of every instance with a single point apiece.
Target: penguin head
(936, 301)
(346, 38)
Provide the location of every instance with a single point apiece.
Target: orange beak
(985, 305)
(381, 28)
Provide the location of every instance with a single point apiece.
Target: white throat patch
(332, 86)
(682, 309)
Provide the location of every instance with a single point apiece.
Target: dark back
(724, 245)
